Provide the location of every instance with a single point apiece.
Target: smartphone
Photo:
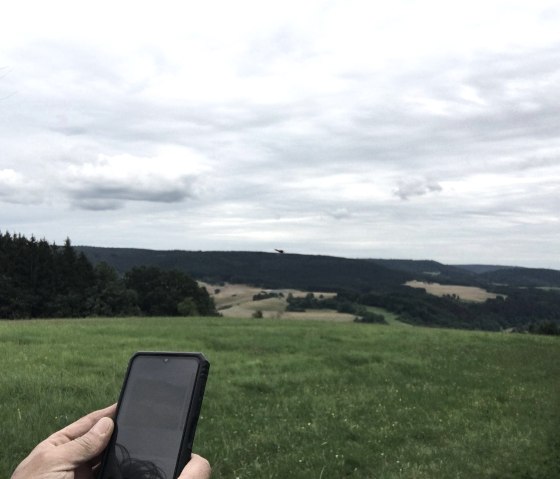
(156, 416)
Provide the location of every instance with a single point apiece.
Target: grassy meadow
(307, 399)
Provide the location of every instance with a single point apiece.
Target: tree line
(339, 303)
(42, 280)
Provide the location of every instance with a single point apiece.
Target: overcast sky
(403, 129)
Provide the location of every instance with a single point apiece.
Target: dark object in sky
(281, 251)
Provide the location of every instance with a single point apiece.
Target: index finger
(81, 426)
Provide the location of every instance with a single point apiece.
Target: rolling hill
(314, 272)
(265, 270)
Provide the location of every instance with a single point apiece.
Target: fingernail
(103, 426)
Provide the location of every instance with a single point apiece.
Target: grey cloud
(106, 194)
(340, 213)
(155, 193)
(504, 123)
(520, 91)
(416, 187)
(95, 204)
(534, 162)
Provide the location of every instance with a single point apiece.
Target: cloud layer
(418, 130)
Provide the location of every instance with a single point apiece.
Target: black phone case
(187, 440)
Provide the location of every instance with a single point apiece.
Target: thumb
(90, 445)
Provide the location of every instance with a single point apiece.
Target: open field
(466, 293)
(236, 301)
(307, 399)
(271, 309)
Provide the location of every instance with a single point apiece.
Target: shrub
(369, 317)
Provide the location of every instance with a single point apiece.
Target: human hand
(73, 452)
(196, 468)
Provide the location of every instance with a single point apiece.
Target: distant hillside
(480, 268)
(267, 270)
(431, 271)
(524, 277)
(312, 273)
(475, 274)
(518, 304)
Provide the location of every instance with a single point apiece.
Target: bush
(265, 295)
(371, 318)
(187, 307)
(548, 328)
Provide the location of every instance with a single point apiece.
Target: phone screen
(151, 418)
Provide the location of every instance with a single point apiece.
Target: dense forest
(527, 309)
(265, 270)
(42, 280)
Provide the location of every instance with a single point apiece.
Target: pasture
(307, 399)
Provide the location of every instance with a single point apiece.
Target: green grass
(289, 399)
